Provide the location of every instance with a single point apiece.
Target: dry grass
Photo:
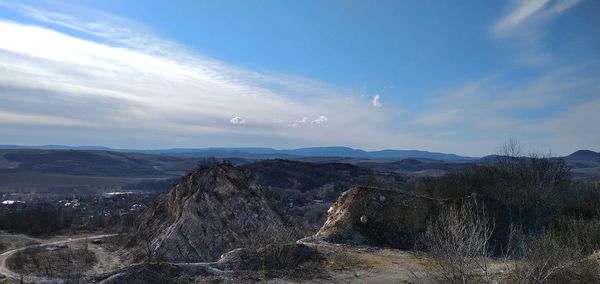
(342, 261)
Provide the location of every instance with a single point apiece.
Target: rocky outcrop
(378, 217)
(212, 210)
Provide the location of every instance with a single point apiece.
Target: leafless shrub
(275, 235)
(281, 254)
(458, 241)
(549, 261)
(583, 200)
(69, 264)
(560, 255)
(529, 187)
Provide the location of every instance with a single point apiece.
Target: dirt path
(4, 270)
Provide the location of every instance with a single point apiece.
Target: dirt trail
(4, 270)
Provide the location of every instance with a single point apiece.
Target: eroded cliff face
(372, 216)
(212, 210)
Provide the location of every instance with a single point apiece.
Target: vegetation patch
(53, 261)
(11, 241)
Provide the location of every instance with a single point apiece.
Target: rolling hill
(266, 153)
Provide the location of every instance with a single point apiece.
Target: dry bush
(583, 200)
(459, 243)
(560, 255)
(67, 263)
(525, 192)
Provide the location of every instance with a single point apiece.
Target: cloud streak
(128, 80)
(530, 12)
(523, 26)
(545, 111)
(319, 120)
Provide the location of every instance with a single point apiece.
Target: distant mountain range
(264, 153)
(270, 153)
(91, 169)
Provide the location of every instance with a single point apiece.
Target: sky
(449, 76)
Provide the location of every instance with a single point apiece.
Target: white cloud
(101, 81)
(237, 120)
(530, 12)
(36, 119)
(523, 27)
(127, 83)
(319, 120)
(297, 123)
(545, 112)
(376, 101)
(522, 11)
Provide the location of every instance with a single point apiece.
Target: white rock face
(210, 211)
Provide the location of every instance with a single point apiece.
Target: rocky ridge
(212, 210)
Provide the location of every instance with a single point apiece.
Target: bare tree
(511, 148)
(529, 186)
(458, 241)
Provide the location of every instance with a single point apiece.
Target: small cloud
(376, 101)
(319, 120)
(237, 120)
(301, 121)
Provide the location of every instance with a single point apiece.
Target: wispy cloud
(524, 26)
(519, 14)
(156, 86)
(37, 119)
(542, 111)
(319, 120)
(531, 12)
(94, 78)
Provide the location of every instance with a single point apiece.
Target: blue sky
(451, 76)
